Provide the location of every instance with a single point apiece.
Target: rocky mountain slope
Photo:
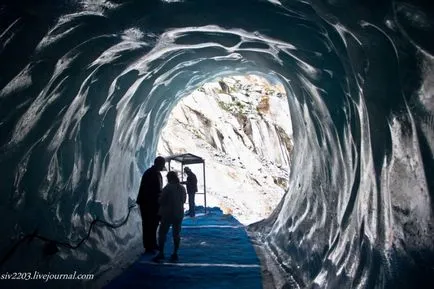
(241, 126)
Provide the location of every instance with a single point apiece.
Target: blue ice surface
(215, 252)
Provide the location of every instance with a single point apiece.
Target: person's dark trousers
(191, 205)
(150, 222)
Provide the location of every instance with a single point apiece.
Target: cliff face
(241, 126)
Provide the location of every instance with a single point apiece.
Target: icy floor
(215, 253)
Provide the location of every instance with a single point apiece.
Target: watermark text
(35, 275)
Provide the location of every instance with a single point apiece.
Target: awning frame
(189, 159)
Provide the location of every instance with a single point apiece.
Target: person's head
(159, 163)
(187, 170)
(172, 178)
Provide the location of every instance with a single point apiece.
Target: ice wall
(86, 87)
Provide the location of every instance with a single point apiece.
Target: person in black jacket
(191, 184)
(147, 199)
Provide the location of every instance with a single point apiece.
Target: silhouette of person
(149, 192)
(191, 184)
(172, 201)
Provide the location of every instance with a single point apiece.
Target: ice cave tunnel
(86, 85)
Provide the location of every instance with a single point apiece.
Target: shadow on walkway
(215, 252)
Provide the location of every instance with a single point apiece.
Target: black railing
(51, 245)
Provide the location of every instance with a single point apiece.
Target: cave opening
(241, 125)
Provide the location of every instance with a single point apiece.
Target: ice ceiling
(86, 86)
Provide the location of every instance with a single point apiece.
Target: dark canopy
(185, 159)
(189, 159)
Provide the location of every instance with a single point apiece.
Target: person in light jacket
(171, 201)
